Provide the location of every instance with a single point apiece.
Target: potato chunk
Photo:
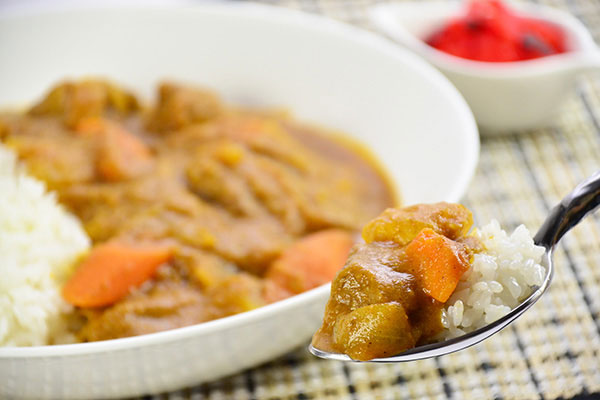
(373, 274)
(376, 330)
(377, 271)
(401, 225)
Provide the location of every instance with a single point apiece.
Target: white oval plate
(326, 72)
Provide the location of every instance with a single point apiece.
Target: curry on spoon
(422, 286)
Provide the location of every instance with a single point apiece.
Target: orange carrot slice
(90, 126)
(439, 262)
(311, 261)
(273, 292)
(111, 270)
(122, 155)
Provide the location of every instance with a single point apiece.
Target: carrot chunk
(90, 126)
(111, 270)
(273, 292)
(439, 262)
(121, 154)
(311, 261)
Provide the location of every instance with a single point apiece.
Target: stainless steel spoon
(576, 205)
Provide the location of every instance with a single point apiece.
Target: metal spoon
(576, 205)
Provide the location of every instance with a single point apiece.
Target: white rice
(39, 244)
(503, 275)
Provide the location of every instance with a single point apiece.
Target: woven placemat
(553, 351)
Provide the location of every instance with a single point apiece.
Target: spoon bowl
(576, 205)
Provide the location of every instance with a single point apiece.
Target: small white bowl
(504, 97)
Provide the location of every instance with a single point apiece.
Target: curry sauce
(234, 201)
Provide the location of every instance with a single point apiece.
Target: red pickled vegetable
(489, 31)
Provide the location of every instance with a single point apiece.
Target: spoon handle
(573, 207)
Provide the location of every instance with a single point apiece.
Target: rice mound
(500, 277)
(39, 245)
